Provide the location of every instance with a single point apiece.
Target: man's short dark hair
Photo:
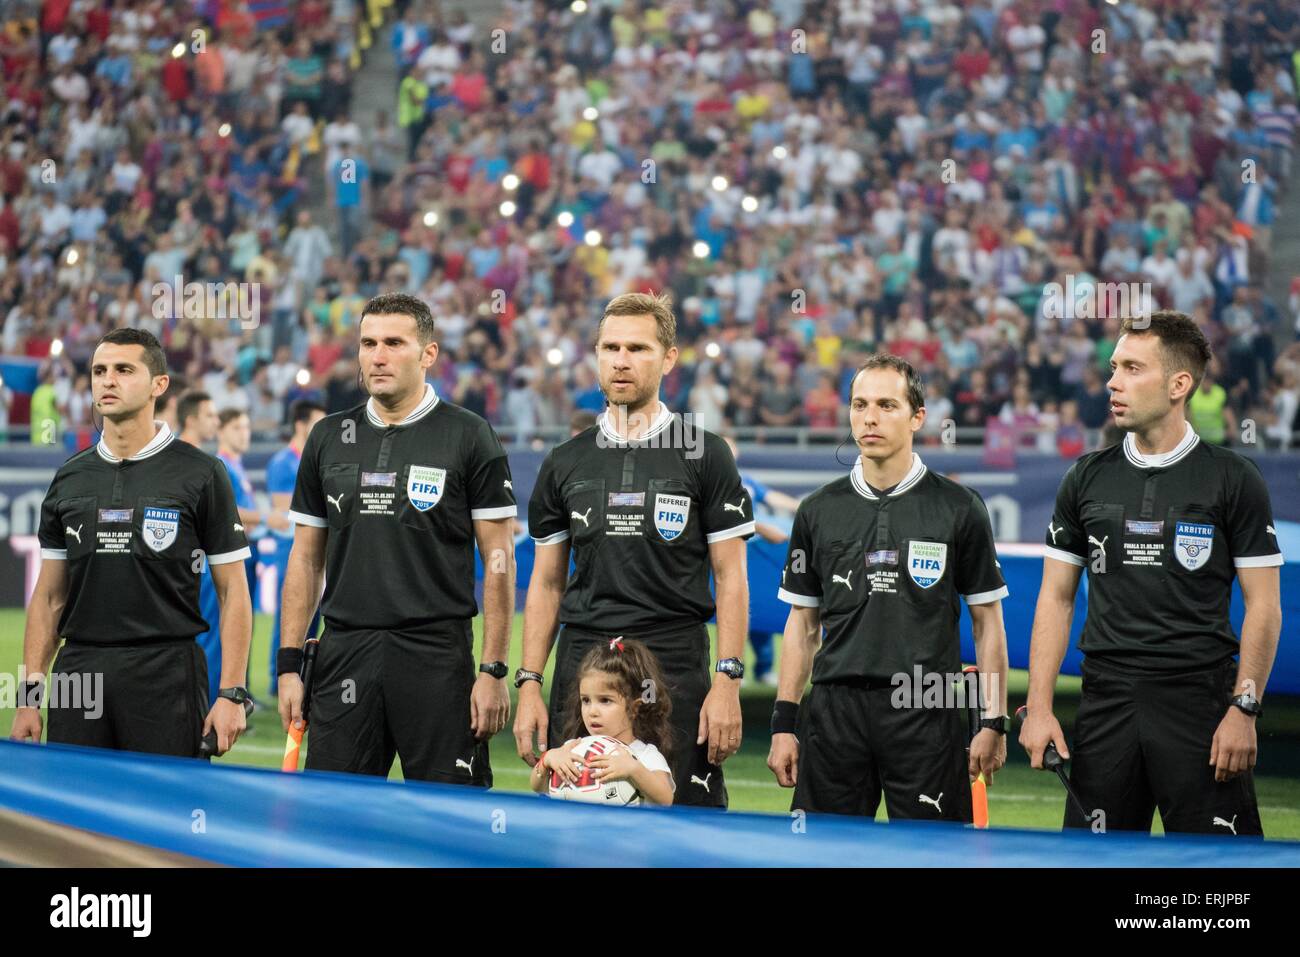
(581, 421)
(399, 303)
(1183, 346)
(301, 410)
(188, 404)
(176, 385)
(155, 359)
(226, 416)
(886, 360)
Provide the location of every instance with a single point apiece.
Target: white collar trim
(161, 439)
(1162, 459)
(661, 420)
(910, 479)
(419, 412)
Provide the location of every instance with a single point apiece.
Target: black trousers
(1143, 742)
(151, 698)
(684, 658)
(378, 694)
(854, 746)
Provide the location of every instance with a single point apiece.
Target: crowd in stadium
(813, 181)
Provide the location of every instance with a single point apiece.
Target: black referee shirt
(886, 572)
(399, 502)
(641, 516)
(133, 533)
(1172, 529)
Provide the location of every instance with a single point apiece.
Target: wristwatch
(1248, 703)
(237, 695)
(733, 668)
(523, 675)
(497, 669)
(1001, 724)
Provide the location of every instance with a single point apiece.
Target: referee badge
(926, 561)
(160, 527)
(671, 512)
(424, 485)
(1192, 544)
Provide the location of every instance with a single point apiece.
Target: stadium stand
(811, 180)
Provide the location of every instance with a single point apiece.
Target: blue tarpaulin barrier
(254, 817)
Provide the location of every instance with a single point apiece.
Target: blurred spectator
(916, 180)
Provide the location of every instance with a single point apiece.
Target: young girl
(621, 694)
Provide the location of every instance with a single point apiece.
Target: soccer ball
(589, 789)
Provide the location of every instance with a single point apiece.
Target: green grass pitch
(1020, 797)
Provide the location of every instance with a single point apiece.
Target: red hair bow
(616, 643)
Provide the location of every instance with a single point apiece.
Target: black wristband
(33, 692)
(288, 661)
(785, 715)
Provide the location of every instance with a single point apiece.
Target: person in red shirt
(176, 79)
(99, 22)
(12, 174)
(458, 170)
(821, 406)
(469, 84)
(973, 61)
(10, 228)
(535, 167)
(54, 14)
(236, 18)
(324, 351)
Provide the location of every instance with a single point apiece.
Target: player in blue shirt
(281, 476)
(778, 509)
(198, 422)
(234, 435)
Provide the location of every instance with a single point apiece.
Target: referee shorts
(377, 694)
(855, 745)
(147, 697)
(1143, 742)
(684, 659)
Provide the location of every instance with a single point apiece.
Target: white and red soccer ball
(589, 789)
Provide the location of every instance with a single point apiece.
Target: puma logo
(702, 783)
(506, 483)
(1230, 825)
(582, 518)
(238, 527)
(728, 507)
(1271, 530)
(336, 501)
(926, 799)
(1100, 544)
(1054, 531)
(67, 529)
(468, 766)
(843, 580)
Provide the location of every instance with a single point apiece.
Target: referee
(390, 498)
(880, 558)
(1162, 522)
(648, 504)
(124, 529)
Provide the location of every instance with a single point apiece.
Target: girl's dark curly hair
(634, 671)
